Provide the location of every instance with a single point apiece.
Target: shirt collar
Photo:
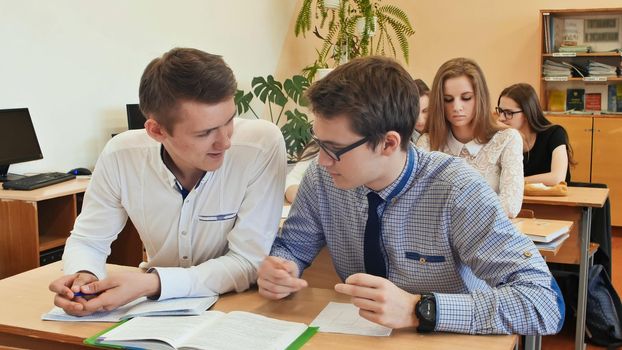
(170, 178)
(403, 181)
(455, 147)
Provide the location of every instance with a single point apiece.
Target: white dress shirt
(210, 242)
(500, 162)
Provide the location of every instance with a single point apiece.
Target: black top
(538, 159)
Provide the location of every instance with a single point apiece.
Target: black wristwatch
(425, 310)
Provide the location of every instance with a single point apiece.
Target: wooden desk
(32, 222)
(577, 207)
(24, 298)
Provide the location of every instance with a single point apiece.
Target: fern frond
(303, 21)
(400, 15)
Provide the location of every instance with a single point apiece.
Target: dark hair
(183, 74)
(424, 90)
(485, 125)
(527, 98)
(375, 93)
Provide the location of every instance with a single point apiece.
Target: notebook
(210, 330)
(542, 230)
(139, 307)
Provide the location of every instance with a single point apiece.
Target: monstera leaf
(269, 90)
(295, 88)
(296, 132)
(243, 101)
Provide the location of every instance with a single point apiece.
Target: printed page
(344, 318)
(171, 330)
(244, 330)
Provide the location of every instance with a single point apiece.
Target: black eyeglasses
(335, 154)
(507, 114)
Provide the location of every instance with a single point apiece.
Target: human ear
(392, 141)
(155, 130)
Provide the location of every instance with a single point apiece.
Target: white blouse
(500, 161)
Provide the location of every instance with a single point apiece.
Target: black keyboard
(37, 181)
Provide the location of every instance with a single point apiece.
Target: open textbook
(213, 330)
(139, 307)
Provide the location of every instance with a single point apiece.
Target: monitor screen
(18, 140)
(135, 118)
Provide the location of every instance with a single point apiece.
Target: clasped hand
(105, 295)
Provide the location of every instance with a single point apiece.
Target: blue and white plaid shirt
(443, 232)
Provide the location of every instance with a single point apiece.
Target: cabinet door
(579, 129)
(607, 161)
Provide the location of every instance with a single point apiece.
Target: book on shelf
(574, 99)
(612, 98)
(592, 101)
(552, 245)
(574, 48)
(618, 97)
(139, 307)
(210, 330)
(542, 230)
(557, 101)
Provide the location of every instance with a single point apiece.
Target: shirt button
(185, 257)
(183, 233)
(422, 260)
(527, 254)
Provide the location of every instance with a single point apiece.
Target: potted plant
(282, 100)
(353, 28)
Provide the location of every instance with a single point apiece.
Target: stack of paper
(555, 69)
(601, 69)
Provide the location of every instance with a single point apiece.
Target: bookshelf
(592, 131)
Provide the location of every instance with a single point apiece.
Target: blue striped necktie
(374, 261)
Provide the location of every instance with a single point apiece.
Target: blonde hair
(485, 124)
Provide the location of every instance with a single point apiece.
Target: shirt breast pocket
(218, 217)
(424, 258)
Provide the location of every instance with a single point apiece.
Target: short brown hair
(424, 90)
(485, 124)
(377, 95)
(183, 74)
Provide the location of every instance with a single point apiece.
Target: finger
(367, 304)
(367, 280)
(98, 286)
(280, 287)
(67, 304)
(357, 291)
(102, 302)
(274, 296)
(61, 285)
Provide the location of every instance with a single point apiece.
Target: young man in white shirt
(203, 189)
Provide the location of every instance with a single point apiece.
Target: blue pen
(80, 294)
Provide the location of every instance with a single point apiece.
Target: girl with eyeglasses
(546, 150)
(461, 123)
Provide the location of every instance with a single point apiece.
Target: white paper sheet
(344, 318)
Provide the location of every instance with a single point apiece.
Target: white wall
(75, 64)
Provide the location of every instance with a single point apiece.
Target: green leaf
(269, 90)
(295, 88)
(242, 101)
(296, 132)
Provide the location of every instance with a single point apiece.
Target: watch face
(426, 309)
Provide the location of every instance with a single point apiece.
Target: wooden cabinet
(579, 129)
(38, 221)
(596, 142)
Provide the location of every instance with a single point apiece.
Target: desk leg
(586, 225)
(533, 342)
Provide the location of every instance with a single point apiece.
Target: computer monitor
(18, 141)
(135, 118)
